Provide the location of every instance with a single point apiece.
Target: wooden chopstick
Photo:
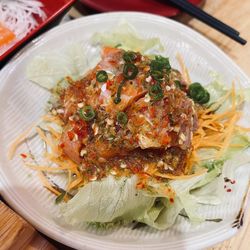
(208, 19)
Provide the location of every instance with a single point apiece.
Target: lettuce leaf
(48, 68)
(107, 200)
(217, 89)
(126, 37)
(162, 214)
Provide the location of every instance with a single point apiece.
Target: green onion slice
(101, 76)
(129, 56)
(178, 84)
(122, 118)
(156, 92)
(157, 75)
(117, 99)
(198, 93)
(205, 98)
(87, 113)
(60, 197)
(160, 63)
(130, 71)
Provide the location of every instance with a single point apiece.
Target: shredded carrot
(184, 69)
(54, 119)
(55, 133)
(18, 141)
(229, 133)
(44, 168)
(46, 183)
(48, 141)
(216, 130)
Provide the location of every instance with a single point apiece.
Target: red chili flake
(229, 190)
(71, 135)
(23, 156)
(171, 200)
(61, 145)
(109, 84)
(233, 182)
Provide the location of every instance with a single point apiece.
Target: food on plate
(137, 140)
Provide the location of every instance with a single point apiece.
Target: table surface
(236, 14)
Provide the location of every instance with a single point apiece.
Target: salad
(137, 140)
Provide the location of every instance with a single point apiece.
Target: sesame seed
(53, 111)
(83, 152)
(60, 111)
(176, 129)
(93, 178)
(147, 98)
(71, 118)
(148, 79)
(109, 121)
(160, 163)
(95, 128)
(170, 168)
(168, 88)
(113, 172)
(183, 137)
(123, 165)
(166, 167)
(75, 137)
(183, 116)
(80, 105)
(173, 87)
(180, 142)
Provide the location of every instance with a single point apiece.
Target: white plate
(22, 102)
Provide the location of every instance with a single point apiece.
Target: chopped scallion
(87, 113)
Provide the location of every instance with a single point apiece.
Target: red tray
(53, 10)
(151, 6)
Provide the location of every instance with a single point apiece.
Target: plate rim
(17, 205)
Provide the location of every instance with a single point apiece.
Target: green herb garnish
(178, 84)
(156, 92)
(157, 75)
(130, 71)
(117, 99)
(198, 93)
(160, 63)
(129, 56)
(101, 76)
(122, 118)
(87, 113)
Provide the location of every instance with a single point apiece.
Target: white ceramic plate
(22, 102)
